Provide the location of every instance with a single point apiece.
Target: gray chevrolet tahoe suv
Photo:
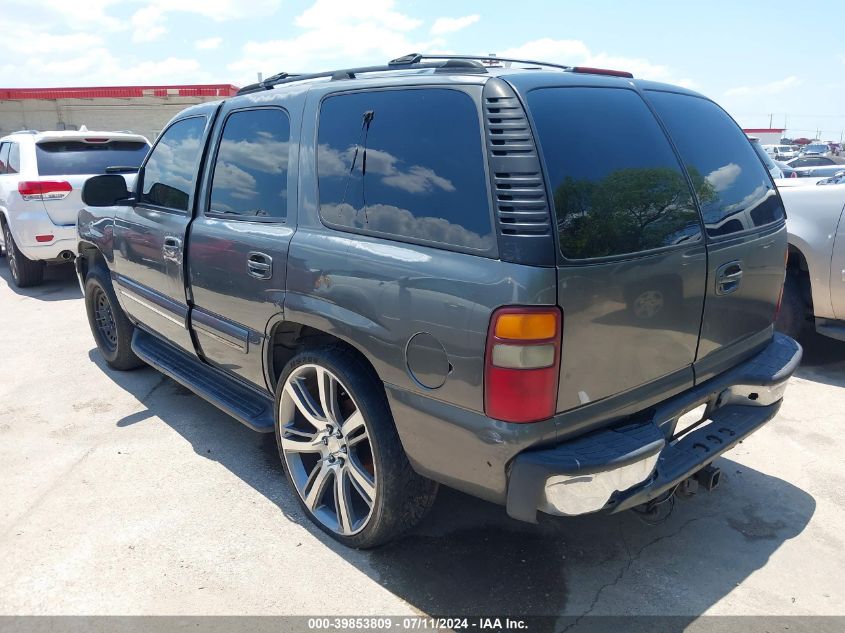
(508, 280)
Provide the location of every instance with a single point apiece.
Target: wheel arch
(286, 338)
(798, 265)
(89, 255)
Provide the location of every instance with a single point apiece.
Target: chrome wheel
(327, 449)
(10, 252)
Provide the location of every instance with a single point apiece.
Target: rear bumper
(52, 250)
(618, 468)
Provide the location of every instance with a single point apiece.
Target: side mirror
(107, 190)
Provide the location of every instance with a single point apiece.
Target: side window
(251, 171)
(406, 164)
(734, 190)
(4, 156)
(14, 164)
(171, 167)
(611, 198)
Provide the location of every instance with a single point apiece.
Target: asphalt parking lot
(123, 493)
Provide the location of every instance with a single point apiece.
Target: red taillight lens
(44, 189)
(522, 364)
(43, 238)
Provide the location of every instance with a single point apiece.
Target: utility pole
(770, 121)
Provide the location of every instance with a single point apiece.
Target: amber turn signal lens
(530, 327)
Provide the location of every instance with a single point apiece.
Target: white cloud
(335, 33)
(324, 13)
(97, 66)
(549, 50)
(442, 26)
(772, 88)
(148, 24)
(577, 53)
(20, 37)
(724, 177)
(208, 43)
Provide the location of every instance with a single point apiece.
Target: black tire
(792, 318)
(402, 497)
(110, 326)
(25, 272)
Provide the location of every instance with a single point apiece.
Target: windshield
(71, 158)
(816, 148)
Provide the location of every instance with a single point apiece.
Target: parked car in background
(824, 171)
(785, 170)
(816, 149)
(407, 283)
(815, 161)
(41, 178)
(814, 292)
(780, 152)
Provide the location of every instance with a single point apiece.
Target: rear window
(734, 190)
(406, 164)
(70, 158)
(618, 188)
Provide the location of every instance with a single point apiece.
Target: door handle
(259, 265)
(171, 246)
(728, 277)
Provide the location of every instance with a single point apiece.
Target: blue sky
(755, 58)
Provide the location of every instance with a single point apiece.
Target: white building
(140, 109)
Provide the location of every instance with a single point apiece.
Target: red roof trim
(762, 130)
(120, 92)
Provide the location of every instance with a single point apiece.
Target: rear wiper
(120, 169)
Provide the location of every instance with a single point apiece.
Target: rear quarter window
(69, 158)
(617, 185)
(734, 189)
(406, 164)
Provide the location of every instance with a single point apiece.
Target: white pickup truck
(814, 292)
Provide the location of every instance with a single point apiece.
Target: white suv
(41, 178)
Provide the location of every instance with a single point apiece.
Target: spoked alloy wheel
(104, 318)
(10, 252)
(327, 449)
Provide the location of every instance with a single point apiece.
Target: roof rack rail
(415, 58)
(440, 63)
(444, 65)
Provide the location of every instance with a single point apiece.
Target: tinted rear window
(734, 189)
(406, 164)
(618, 187)
(69, 158)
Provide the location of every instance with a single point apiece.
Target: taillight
(522, 364)
(44, 189)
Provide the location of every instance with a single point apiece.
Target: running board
(246, 405)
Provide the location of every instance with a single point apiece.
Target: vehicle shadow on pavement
(469, 558)
(60, 283)
(823, 361)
